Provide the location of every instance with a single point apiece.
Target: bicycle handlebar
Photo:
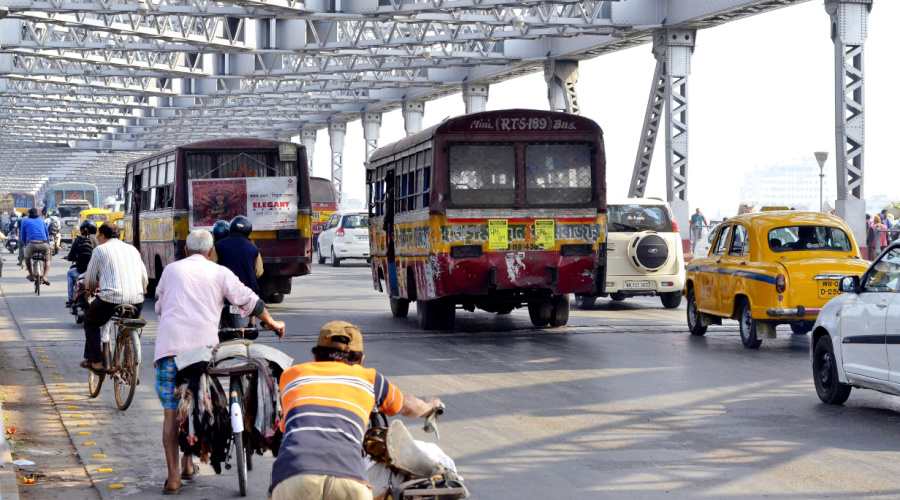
(250, 329)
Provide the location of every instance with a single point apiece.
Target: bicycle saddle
(132, 323)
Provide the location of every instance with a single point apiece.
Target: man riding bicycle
(35, 237)
(190, 297)
(120, 273)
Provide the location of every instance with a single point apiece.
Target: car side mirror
(849, 284)
(321, 227)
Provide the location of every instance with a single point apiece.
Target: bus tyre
(275, 298)
(320, 255)
(446, 314)
(748, 327)
(151, 288)
(540, 311)
(399, 307)
(585, 302)
(428, 313)
(670, 300)
(559, 314)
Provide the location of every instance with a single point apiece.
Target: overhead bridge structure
(86, 85)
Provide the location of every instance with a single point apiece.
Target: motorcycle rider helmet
(221, 230)
(86, 228)
(241, 225)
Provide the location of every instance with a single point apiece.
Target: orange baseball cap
(342, 336)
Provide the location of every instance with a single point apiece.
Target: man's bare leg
(28, 266)
(170, 445)
(46, 269)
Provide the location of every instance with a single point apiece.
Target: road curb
(9, 490)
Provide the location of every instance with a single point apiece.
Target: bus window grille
(558, 174)
(482, 175)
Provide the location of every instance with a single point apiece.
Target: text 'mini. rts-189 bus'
(193, 186)
(493, 210)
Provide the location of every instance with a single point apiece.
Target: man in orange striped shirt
(326, 407)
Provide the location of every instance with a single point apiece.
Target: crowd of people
(325, 402)
(879, 232)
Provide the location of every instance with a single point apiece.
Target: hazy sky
(761, 92)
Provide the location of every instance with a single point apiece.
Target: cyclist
(326, 407)
(80, 253)
(190, 297)
(117, 268)
(35, 238)
(240, 256)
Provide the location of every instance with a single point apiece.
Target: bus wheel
(540, 312)
(428, 313)
(151, 288)
(559, 314)
(584, 302)
(275, 298)
(446, 314)
(399, 307)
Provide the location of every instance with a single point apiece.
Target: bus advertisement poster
(269, 202)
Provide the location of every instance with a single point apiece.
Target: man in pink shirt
(189, 300)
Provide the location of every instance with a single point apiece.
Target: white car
(702, 246)
(344, 236)
(644, 254)
(856, 338)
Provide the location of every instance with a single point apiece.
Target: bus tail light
(780, 283)
(339, 233)
(674, 225)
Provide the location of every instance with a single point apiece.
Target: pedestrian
(868, 221)
(192, 292)
(876, 238)
(887, 220)
(698, 222)
(326, 405)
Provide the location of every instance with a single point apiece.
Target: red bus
(324, 203)
(171, 192)
(493, 210)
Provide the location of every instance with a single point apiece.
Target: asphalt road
(623, 403)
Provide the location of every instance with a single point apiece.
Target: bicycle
(37, 270)
(121, 356)
(237, 376)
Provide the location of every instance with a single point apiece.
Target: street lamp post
(821, 156)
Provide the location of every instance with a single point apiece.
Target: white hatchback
(856, 338)
(344, 236)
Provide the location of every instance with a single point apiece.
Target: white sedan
(345, 236)
(856, 338)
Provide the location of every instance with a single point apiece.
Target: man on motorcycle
(80, 253)
(36, 238)
(240, 256)
(326, 407)
(54, 227)
(190, 296)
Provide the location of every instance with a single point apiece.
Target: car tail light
(339, 232)
(674, 225)
(780, 283)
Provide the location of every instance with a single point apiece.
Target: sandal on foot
(30, 278)
(167, 491)
(192, 475)
(87, 365)
(45, 281)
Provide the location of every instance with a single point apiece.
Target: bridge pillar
(849, 30)
(308, 140)
(336, 132)
(679, 49)
(413, 112)
(371, 124)
(655, 106)
(475, 96)
(561, 77)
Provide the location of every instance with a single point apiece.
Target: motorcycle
(401, 467)
(81, 300)
(12, 242)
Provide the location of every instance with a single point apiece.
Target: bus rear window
(558, 174)
(482, 175)
(226, 165)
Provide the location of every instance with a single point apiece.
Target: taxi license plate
(828, 289)
(637, 285)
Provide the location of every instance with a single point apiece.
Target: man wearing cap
(326, 406)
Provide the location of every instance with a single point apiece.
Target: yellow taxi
(97, 215)
(770, 268)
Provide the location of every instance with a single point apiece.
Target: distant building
(875, 203)
(794, 183)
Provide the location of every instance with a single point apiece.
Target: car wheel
(748, 327)
(584, 302)
(335, 262)
(671, 300)
(695, 324)
(559, 310)
(321, 256)
(618, 297)
(828, 386)
(399, 307)
(802, 328)
(539, 311)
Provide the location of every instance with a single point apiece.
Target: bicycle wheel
(95, 382)
(37, 272)
(240, 451)
(125, 368)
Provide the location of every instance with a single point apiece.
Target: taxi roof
(779, 218)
